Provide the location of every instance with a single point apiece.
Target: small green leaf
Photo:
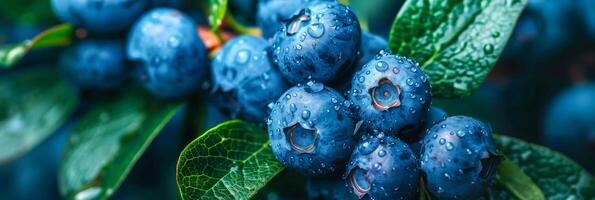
(456, 42)
(60, 35)
(217, 10)
(108, 141)
(27, 11)
(34, 103)
(557, 176)
(517, 182)
(231, 161)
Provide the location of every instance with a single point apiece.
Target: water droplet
(409, 81)
(243, 56)
(449, 146)
(442, 141)
(382, 153)
(298, 47)
(314, 86)
(305, 114)
(377, 166)
(381, 66)
(460, 133)
(361, 79)
(395, 70)
(488, 48)
(292, 107)
(316, 30)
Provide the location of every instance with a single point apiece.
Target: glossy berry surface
(244, 78)
(459, 158)
(272, 13)
(318, 43)
(569, 123)
(171, 59)
(103, 16)
(95, 64)
(391, 94)
(382, 167)
(311, 131)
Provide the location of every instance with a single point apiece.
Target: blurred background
(542, 90)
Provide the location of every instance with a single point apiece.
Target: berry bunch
(162, 50)
(358, 120)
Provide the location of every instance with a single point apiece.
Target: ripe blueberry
(382, 167)
(272, 13)
(245, 79)
(390, 94)
(320, 42)
(459, 158)
(172, 60)
(95, 64)
(103, 16)
(310, 130)
(569, 124)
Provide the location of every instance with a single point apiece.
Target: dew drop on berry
(242, 57)
(381, 66)
(316, 30)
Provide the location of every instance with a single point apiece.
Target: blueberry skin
(95, 64)
(391, 94)
(569, 123)
(243, 74)
(371, 45)
(435, 115)
(459, 158)
(329, 189)
(382, 167)
(324, 128)
(272, 13)
(319, 43)
(101, 16)
(171, 59)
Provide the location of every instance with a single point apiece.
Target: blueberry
(319, 43)
(382, 167)
(329, 189)
(543, 28)
(587, 12)
(95, 64)
(391, 94)
(435, 115)
(171, 59)
(569, 124)
(459, 158)
(272, 13)
(311, 131)
(103, 16)
(245, 78)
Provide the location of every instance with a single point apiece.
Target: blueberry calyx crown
(358, 180)
(489, 164)
(385, 95)
(300, 138)
(294, 23)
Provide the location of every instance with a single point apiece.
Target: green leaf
(231, 161)
(217, 10)
(517, 182)
(60, 35)
(557, 176)
(27, 11)
(456, 42)
(107, 141)
(34, 103)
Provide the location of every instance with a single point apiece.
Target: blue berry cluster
(142, 40)
(355, 118)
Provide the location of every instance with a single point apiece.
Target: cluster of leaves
(456, 41)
